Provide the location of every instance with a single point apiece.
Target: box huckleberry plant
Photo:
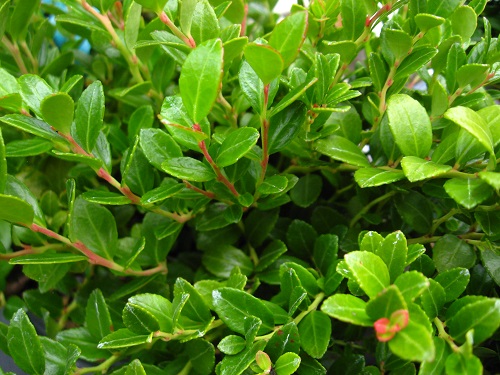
(211, 188)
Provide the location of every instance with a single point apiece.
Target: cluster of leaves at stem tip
(202, 186)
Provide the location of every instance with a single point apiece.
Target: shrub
(199, 187)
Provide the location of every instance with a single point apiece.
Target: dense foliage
(198, 187)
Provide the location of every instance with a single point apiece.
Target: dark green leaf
(20, 19)
(273, 185)
(195, 308)
(326, 248)
(270, 254)
(236, 145)
(97, 318)
(28, 147)
(259, 224)
(416, 211)
(82, 338)
(454, 282)
(190, 169)
(285, 126)
(221, 260)
(301, 237)
(286, 339)
(89, 115)
(491, 261)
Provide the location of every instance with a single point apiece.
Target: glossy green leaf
(28, 147)
(231, 344)
(458, 363)
(285, 126)
(464, 22)
(158, 146)
(237, 364)
(288, 35)
(442, 9)
(58, 358)
(468, 193)
(287, 364)
(24, 344)
(190, 169)
(123, 338)
(273, 185)
(221, 260)
(414, 343)
(95, 226)
(353, 18)
(78, 158)
(135, 368)
(266, 61)
(410, 125)
(427, 21)
(301, 237)
(340, 148)
(411, 285)
(378, 71)
(454, 282)
(451, 252)
(492, 178)
(347, 308)
(469, 120)
(481, 316)
(32, 126)
(435, 366)
(97, 318)
(204, 22)
(286, 339)
(33, 90)
(315, 331)
(417, 169)
(433, 299)
(139, 319)
(369, 270)
(258, 225)
(57, 110)
(326, 248)
(235, 306)
(158, 308)
(200, 79)
(292, 96)
(89, 115)
(195, 308)
(168, 189)
(155, 5)
(370, 177)
(385, 303)
(307, 190)
(16, 210)
(392, 251)
(105, 197)
(236, 145)
(491, 261)
(48, 258)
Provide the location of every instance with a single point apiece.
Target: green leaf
(286, 339)
(439, 100)
(369, 270)
(285, 126)
(491, 261)
(411, 285)
(252, 87)
(202, 356)
(392, 251)
(156, 307)
(307, 190)
(492, 178)
(190, 169)
(426, 21)
(135, 368)
(200, 79)
(307, 280)
(155, 5)
(315, 331)
(27, 147)
(451, 252)
(482, 316)
(16, 210)
(292, 96)
(433, 299)
(33, 90)
(413, 343)
(301, 237)
(82, 338)
(158, 146)
(288, 35)
(58, 358)
(353, 18)
(454, 282)
(232, 344)
(442, 8)
(20, 19)
(387, 302)
(410, 125)
(123, 338)
(417, 169)
(458, 363)
(95, 227)
(237, 364)
(169, 188)
(416, 211)
(370, 177)
(236, 145)
(472, 74)
(371, 241)
(89, 115)
(48, 258)
(204, 22)
(24, 344)
(57, 110)
(464, 22)
(265, 61)
(273, 185)
(32, 126)
(395, 45)
(132, 24)
(468, 193)
(97, 318)
(436, 366)
(378, 71)
(326, 249)
(221, 260)
(258, 225)
(347, 308)
(340, 148)
(287, 364)
(235, 306)
(270, 254)
(105, 197)
(471, 121)
(139, 319)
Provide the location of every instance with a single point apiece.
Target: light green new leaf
(410, 125)
(436, 366)
(315, 331)
(155, 5)
(16, 210)
(89, 115)
(33, 90)
(459, 363)
(464, 22)
(387, 302)
(442, 9)
(200, 79)
(236, 145)
(340, 148)
(472, 122)
(190, 169)
(492, 178)
(419, 57)
(417, 169)
(24, 344)
(472, 74)
(468, 193)
(288, 35)
(231, 344)
(369, 270)
(132, 24)
(433, 299)
(97, 318)
(265, 61)
(411, 285)
(426, 21)
(204, 22)
(414, 343)
(347, 308)
(395, 45)
(135, 368)
(57, 110)
(123, 338)
(95, 226)
(393, 251)
(287, 364)
(353, 18)
(369, 177)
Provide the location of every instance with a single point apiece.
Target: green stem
(366, 208)
(444, 335)
(313, 306)
(34, 62)
(441, 220)
(265, 137)
(65, 315)
(102, 368)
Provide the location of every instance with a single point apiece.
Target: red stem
(265, 137)
(244, 21)
(207, 194)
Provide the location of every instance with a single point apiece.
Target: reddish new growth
(385, 329)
